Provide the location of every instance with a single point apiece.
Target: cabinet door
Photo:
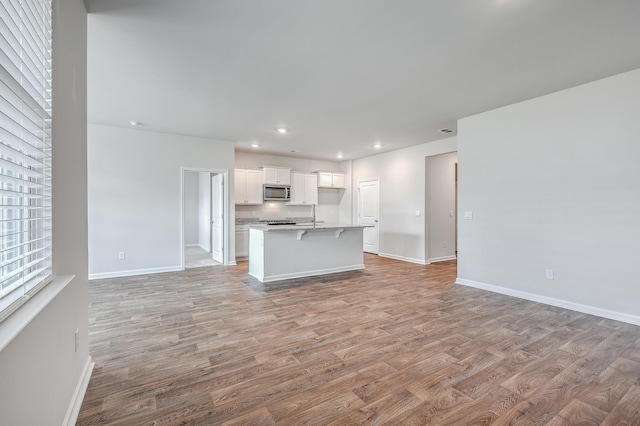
(276, 175)
(311, 189)
(270, 175)
(240, 176)
(297, 188)
(338, 180)
(242, 244)
(325, 180)
(254, 187)
(283, 176)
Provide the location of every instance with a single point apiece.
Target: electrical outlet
(121, 255)
(548, 274)
(77, 339)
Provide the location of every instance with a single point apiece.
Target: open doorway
(441, 207)
(205, 231)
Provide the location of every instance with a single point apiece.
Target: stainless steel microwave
(277, 192)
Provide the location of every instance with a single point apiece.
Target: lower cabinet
(242, 242)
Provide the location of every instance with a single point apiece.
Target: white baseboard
(232, 263)
(78, 395)
(585, 309)
(130, 273)
(192, 245)
(281, 277)
(404, 259)
(203, 248)
(442, 259)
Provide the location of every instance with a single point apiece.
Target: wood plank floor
(394, 344)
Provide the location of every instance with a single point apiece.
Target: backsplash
(278, 210)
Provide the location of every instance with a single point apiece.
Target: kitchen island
(280, 252)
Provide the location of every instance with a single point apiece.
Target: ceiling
(342, 74)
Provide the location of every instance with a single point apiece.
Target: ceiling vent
(446, 130)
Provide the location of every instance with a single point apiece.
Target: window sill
(18, 320)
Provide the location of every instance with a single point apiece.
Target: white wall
(329, 200)
(441, 206)
(191, 207)
(135, 196)
(554, 183)
(40, 369)
(204, 210)
(402, 193)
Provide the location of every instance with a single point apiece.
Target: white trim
(308, 273)
(203, 248)
(21, 317)
(404, 259)
(130, 273)
(232, 263)
(192, 245)
(442, 259)
(586, 309)
(78, 395)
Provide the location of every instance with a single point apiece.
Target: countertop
(305, 226)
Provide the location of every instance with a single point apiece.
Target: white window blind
(25, 150)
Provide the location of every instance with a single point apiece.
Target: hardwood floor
(394, 344)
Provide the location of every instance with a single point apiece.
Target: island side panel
(256, 253)
(317, 252)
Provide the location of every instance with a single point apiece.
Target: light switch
(417, 212)
(468, 215)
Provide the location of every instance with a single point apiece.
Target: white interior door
(217, 217)
(369, 212)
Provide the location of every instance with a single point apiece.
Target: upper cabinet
(248, 186)
(331, 180)
(304, 188)
(276, 175)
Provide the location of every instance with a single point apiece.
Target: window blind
(25, 150)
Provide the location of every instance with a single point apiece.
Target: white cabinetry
(242, 241)
(277, 175)
(304, 188)
(248, 186)
(330, 180)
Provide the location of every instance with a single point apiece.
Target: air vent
(446, 130)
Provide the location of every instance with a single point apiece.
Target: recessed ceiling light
(446, 130)
(377, 145)
(135, 123)
(255, 145)
(282, 130)
(339, 155)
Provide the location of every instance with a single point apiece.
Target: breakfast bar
(279, 252)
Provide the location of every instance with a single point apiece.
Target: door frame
(225, 222)
(211, 239)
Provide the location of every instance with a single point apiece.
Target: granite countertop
(306, 227)
(286, 220)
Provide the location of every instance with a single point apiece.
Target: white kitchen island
(281, 252)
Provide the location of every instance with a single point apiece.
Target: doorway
(369, 213)
(204, 218)
(441, 207)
